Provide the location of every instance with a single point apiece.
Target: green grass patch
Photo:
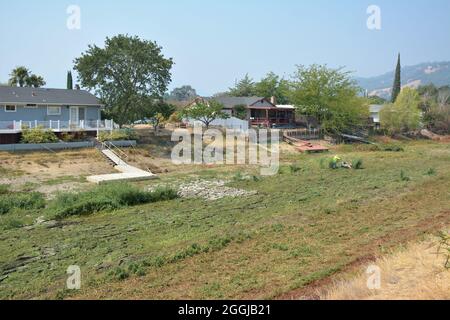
(105, 197)
(4, 189)
(16, 200)
(297, 228)
(357, 164)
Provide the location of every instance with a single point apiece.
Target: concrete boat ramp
(127, 172)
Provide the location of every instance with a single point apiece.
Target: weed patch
(107, 197)
(404, 176)
(357, 164)
(16, 200)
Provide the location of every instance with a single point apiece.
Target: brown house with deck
(260, 111)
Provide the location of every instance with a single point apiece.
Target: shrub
(393, 148)
(431, 172)
(74, 137)
(117, 135)
(404, 176)
(403, 115)
(357, 164)
(106, 197)
(238, 176)
(30, 200)
(119, 274)
(13, 224)
(256, 178)
(38, 135)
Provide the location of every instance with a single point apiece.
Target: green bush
(117, 135)
(404, 176)
(12, 224)
(16, 200)
(106, 197)
(74, 137)
(119, 274)
(38, 135)
(357, 164)
(393, 148)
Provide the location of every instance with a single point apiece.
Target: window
(54, 111)
(10, 108)
(31, 106)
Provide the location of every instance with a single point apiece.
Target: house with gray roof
(261, 111)
(59, 110)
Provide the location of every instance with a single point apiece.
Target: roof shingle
(47, 96)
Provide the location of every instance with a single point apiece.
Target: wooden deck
(304, 146)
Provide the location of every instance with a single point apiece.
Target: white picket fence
(57, 126)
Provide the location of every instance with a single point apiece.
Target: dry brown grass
(415, 273)
(38, 167)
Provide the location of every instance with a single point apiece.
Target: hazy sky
(213, 42)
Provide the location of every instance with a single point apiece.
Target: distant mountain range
(437, 73)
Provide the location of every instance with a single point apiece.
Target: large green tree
(435, 105)
(404, 114)
(329, 95)
(22, 77)
(205, 112)
(129, 74)
(243, 88)
(273, 86)
(397, 87)
(184, 93)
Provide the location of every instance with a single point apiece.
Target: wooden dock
(303, 145)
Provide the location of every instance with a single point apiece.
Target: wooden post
(98, 128)
(59, 125)
(51, 125)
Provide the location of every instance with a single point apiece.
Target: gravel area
(209, 190)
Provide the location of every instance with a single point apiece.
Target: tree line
(131, 77)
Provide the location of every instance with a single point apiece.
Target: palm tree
(35, 81)
(19, 76)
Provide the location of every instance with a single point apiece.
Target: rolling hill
(437, 73)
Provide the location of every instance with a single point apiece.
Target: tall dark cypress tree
(397, 81)
(69, 80)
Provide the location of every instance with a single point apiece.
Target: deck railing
(58, 126)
